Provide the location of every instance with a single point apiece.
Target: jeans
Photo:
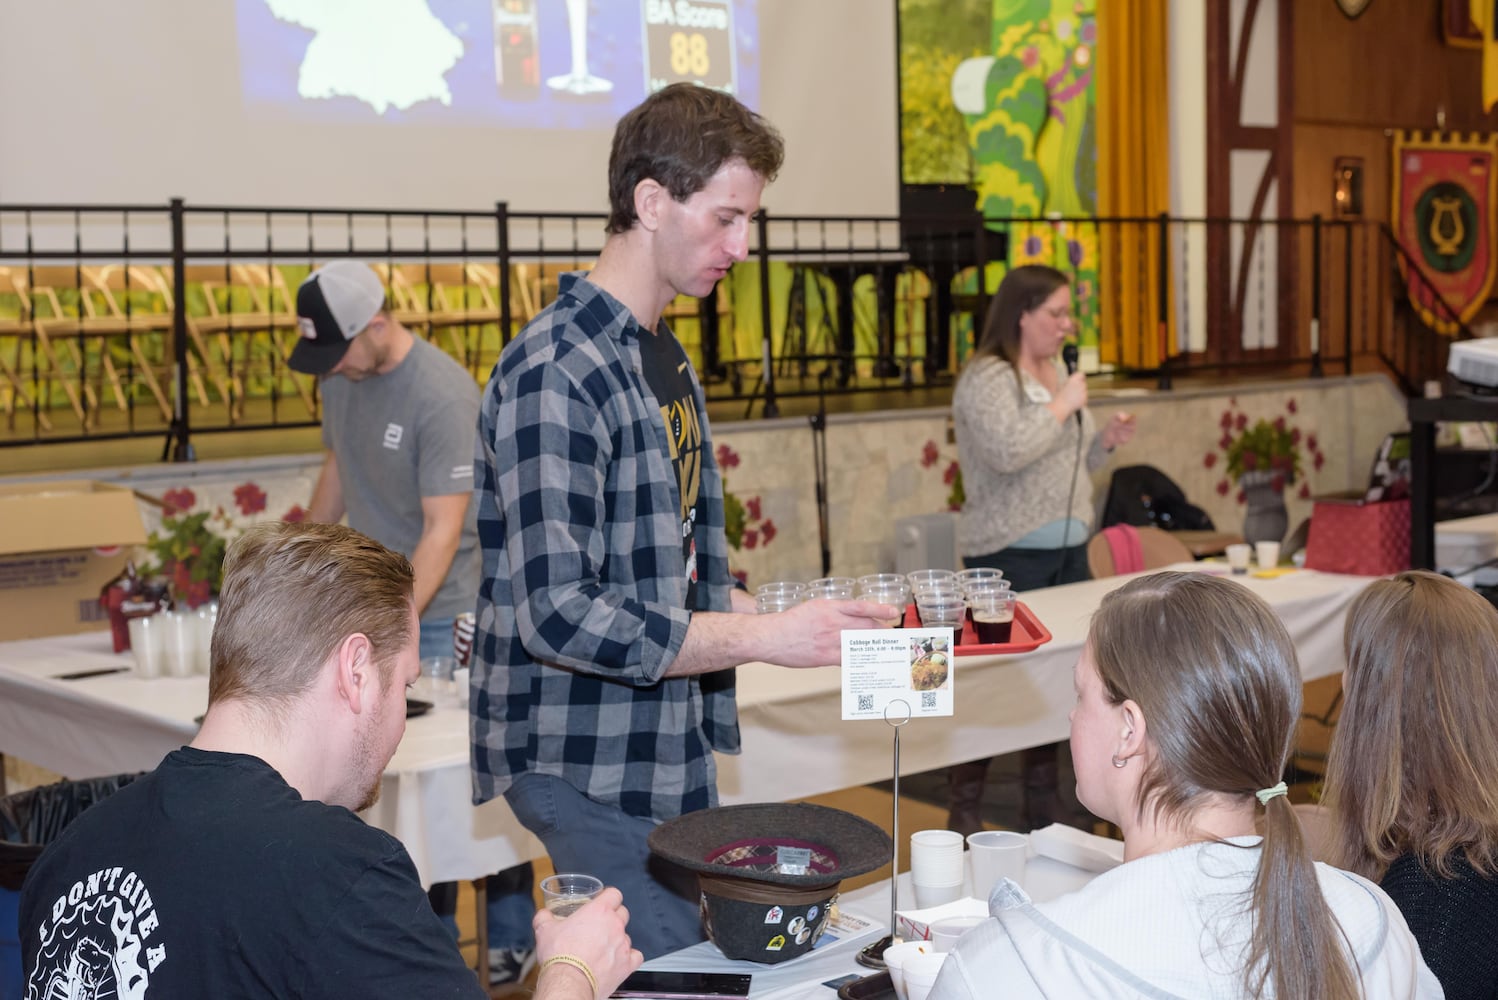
(511, 900)
(586, 836)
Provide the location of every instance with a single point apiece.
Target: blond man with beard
(238, 868)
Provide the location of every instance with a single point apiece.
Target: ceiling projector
(1475, 362)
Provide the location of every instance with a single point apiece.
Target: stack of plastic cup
(886, 588)
(204, 618)
(146, 644)
(179, 643)
(936, 866)
(778, 596)
(831, 588)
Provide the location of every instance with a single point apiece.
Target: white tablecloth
(794, 742)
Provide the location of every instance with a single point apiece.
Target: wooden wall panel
(1389, 68)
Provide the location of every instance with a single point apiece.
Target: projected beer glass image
(579, 81)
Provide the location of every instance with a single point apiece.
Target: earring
(1120, 761)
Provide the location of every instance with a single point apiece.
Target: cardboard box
(60, 542)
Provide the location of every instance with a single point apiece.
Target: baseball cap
(333, 306)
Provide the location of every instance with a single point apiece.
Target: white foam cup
(920, 974)
(895, 957)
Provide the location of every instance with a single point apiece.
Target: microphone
(1069, 358)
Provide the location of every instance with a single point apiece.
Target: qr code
(928, 699)
(865, 703)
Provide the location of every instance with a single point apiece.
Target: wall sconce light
(1347, 187)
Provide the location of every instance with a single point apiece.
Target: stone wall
(885, 466)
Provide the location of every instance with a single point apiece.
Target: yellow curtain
(1133, 176)
(1482, 14)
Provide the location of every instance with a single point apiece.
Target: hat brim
(843, 845)
(311, 357)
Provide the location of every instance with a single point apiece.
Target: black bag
(1142, 495)
(32, 819)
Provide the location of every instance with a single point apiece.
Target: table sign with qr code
(907, 665)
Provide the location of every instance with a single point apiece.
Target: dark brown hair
(1414, 763)
(681, 136)
(1024, 289)
(291, 594)
(1215, 675)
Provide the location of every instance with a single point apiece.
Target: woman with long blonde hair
(1412, 783)
(1188, 690)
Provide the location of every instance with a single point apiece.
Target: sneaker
(510, 965)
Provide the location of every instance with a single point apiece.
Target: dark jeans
(1031, 569)
(1025, 569)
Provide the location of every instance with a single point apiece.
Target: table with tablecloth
(795, 745)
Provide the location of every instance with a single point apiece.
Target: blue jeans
(511, 900)
(586, 836)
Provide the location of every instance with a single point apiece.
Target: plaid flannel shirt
(582, 605)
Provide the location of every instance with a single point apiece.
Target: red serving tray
(1028, 633)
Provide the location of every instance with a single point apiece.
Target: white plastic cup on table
(993, 614)
(895, 957)
(920, 974)
(204, 618)
(437, 683)
(145, 643)
(1239, 556)
(997, 855)
(1267, 554)
(179, 643)
(936, 866)
(565, 893)
(945, 933)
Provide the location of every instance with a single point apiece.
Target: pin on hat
(333, 306)
(769, 872)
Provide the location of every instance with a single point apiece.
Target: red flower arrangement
(1267, 450)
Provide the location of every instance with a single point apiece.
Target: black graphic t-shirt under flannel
(666, 372)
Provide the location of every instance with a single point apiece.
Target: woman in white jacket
(1188, 691)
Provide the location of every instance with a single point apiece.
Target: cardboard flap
(47, 517)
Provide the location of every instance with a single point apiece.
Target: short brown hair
(1414, 763)
(681, 136)
(1215, 675)
(291, 594)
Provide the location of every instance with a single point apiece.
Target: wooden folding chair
(16, 332)
(58, 331)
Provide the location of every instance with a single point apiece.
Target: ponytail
(1297, 946)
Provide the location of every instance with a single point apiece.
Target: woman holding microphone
(1022, 430)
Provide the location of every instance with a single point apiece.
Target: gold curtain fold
(1133, 177)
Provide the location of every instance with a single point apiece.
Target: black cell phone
(701, 985)
(415, 707)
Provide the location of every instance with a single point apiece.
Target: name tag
(1037, 393)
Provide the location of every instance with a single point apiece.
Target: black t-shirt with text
(668, 374)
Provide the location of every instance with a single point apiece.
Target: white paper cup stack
(936, 866)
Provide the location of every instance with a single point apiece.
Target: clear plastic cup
(940, 609)
(968, 577)
(781, 588)
(768, 604)
(993, 615)
(566, 893)
(926, 577)
(438, 683)
(872, 581)
(145, 643)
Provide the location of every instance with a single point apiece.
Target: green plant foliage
(1265, 447)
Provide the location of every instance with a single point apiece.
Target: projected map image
(571, 64)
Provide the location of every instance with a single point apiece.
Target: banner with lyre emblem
(1444, 200)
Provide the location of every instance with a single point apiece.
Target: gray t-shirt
(400, 437)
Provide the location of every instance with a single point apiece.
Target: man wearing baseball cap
(399, 421)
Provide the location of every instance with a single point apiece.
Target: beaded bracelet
(576, 963)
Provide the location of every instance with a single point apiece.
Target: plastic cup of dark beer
(993, 615)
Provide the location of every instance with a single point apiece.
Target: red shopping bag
(1359, 538)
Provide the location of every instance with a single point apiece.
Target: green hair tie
(1265, 794)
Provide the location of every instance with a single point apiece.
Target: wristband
(576, 963)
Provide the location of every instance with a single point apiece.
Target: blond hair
(1414, 764)
(1215, 675)
(291, 594)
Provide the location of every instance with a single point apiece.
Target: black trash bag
(31, 820)
(1144, 496)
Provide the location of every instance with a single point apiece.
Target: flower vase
(1266, 519)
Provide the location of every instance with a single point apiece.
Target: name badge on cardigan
(1037, 393)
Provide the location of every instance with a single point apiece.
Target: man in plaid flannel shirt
(606, 642)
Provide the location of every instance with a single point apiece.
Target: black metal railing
(176, 320)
